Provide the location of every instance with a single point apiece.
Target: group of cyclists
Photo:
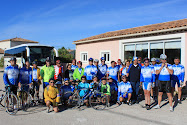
(120, 82)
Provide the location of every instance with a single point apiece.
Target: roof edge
(129, 35)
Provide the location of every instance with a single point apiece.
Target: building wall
(5, 45)
(94, 50)
(18, 43)
(185, 56)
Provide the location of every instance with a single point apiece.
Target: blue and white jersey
(102, 71)
(154, 66)
(90, 71)
(25, 76)
(113, 72)
(11, 75)
(147, 74)
(124, 87)
(119, 66)
(124, 71)
(178, 72)
(73, 67)
(113, 87)
(64, 89)
(164, 74)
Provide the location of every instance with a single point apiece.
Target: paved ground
(111, 116)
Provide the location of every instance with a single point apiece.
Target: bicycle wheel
(98, 101)
(11, 104)
(74, 99)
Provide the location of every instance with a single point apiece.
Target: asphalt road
(121, 115)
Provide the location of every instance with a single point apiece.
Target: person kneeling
(52, 96)
(105, 89)
(124, 91)
(64, 89)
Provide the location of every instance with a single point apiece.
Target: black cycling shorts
(164, 86)
(13, 89)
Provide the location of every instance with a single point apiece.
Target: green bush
(2, 62)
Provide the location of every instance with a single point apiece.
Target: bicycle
(10, 101)
(97, 100)
(25, 99)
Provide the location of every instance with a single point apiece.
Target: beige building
(8, 43)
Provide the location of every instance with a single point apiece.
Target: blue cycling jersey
(64, 89)
(25, 76)
(178, 72)
(164, 74)
(11, 75)
(147, 74)
(124, 71)
(113, 87)
(119, 66)
(73, 67)
(124, 87)
(113, 72)
(154, 66)
(83, 86)
(102, 71)
(90, 71)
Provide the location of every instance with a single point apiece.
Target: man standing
(74, 66)
(78, 72)
(25, 76)
(11, 76)
(164, 71)
(58, 74)
(178, 77)
(102, 69)
(90, 71)
(119, 64)
(134, 77)
(113, 72)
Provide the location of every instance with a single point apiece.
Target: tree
(64, 55)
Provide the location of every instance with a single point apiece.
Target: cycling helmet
(91, 59)
(163, 56)
(153, 59)
(96, 60)
(102, 58)
(134, 58)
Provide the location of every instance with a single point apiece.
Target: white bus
(31, 52)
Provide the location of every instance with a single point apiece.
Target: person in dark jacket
(134, 77)
(69, 73)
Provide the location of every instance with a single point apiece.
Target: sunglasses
(52, 82)
(66, 82)
(139, 60)
(83, 79)
(146, 62)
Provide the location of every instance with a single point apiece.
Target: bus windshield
(40, 54)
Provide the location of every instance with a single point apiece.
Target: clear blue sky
(60, 22)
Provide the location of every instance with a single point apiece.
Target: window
(106, 55)
(84, 57)
(172, 50)
(156, 49)
(142, 50)
(129, 51)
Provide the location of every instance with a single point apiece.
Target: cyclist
(85, 86)
(112, 71)
(65, 88)
(178, 77)
(36, 79)
(140, 61)
(95, 84)
(154, 88)
(105, 89)
(74, 66)
(119, 64)
(113, 89)
(164, 71)
(102, 68)
(124, 91)
(47, 72)
(134, 77)
(58, 74)
(25, 77)
(90, 70)
(69, 73)
(78, 72)
(11, 76)
(147, 77)
(52, 96)
(125, 69)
